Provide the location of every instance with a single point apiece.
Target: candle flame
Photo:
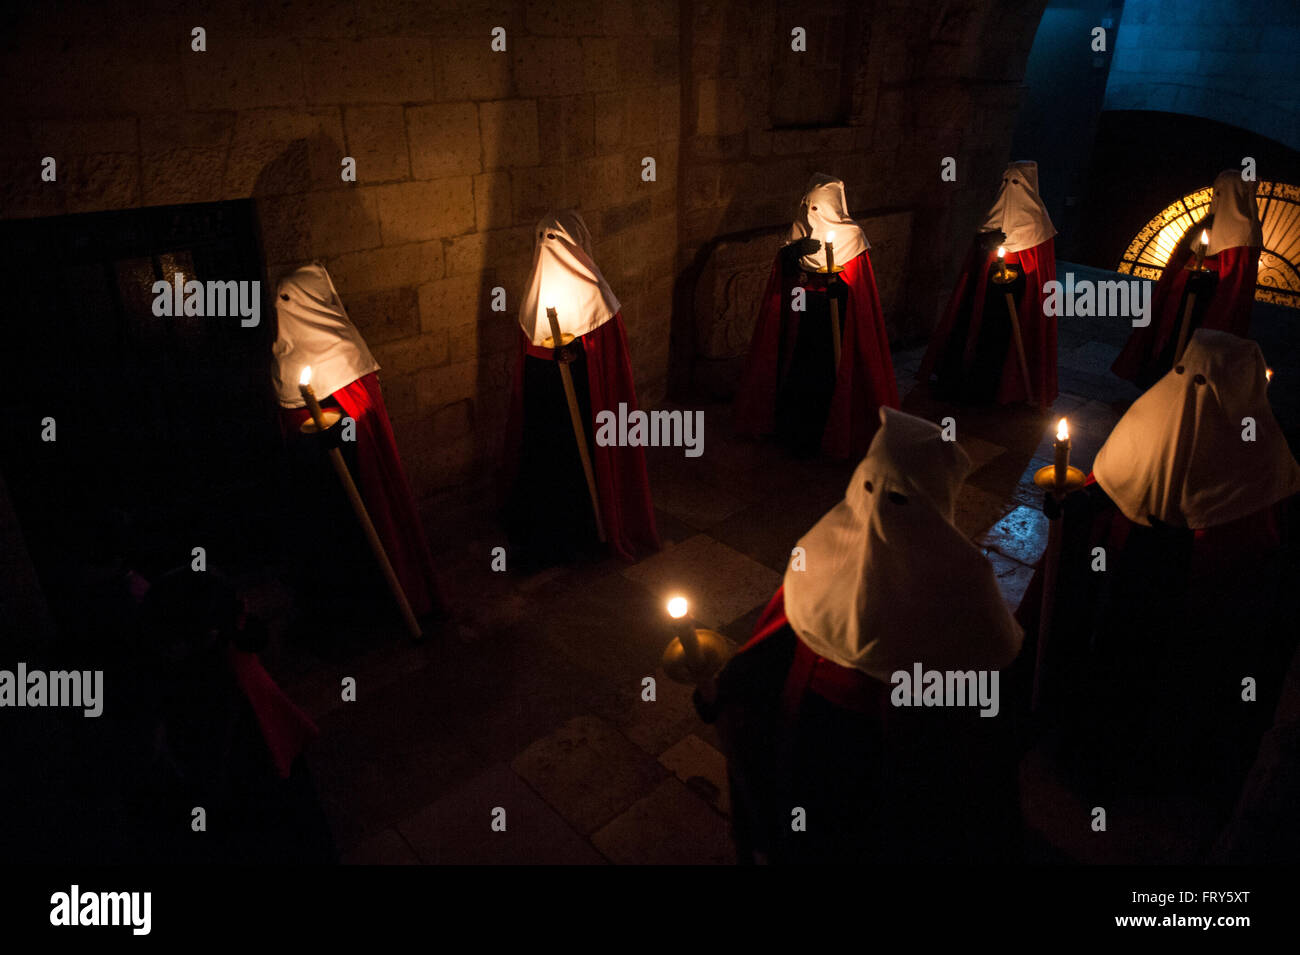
(1268, 374)
(1205, 237)
(1002, 252)
(305, 377)
(830, 237)
(677, 607)
(1062, 431)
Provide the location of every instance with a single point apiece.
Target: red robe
(1143, 357)
(864, 380)
(622, 484)
(1037, 329)
(386, 491)
(286, 729)
(874, 779)
(1143, 666)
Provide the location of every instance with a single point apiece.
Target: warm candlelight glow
(1268, 374)
(1062, 431)
(305, 377)
(1002, 252)
(1205, 237)
(677, 607)
(830, 236)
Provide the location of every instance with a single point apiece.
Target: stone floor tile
(720, 582)
(703, 769)
(457, 829)
(670, 826)
(1020, 535)
(588, 772)
(386, 847)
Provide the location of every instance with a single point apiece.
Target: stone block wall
(926, 79)
(1230, 62)
(459, 149)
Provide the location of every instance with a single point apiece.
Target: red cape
(811, 673)
(1228, 309)
(386, 491)
(621, 479)
(864, 381)
(1144, 660)
(286, 729)
(1037, 328)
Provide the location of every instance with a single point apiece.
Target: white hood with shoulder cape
(314, 329)
(565, 275)
(823, 211)
(888, 580)
(1178, 454)
(1018, 211)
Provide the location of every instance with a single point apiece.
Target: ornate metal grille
(1279, 260)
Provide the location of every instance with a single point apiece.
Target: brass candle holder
(695, 655)
(1059, 479)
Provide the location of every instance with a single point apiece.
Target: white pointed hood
(823, 211)
(1018, 211)
(314, 329)
(890, 581)
(1177, 455)
(565, 275)
(1236, 214)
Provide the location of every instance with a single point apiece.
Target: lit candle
(1202, 248)
(553, 318)
(1268, 375)
(677, 608)
(1062, 456)
(1002, 261)
(309, 396)
(830, 252)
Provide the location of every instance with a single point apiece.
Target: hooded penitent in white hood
(565, 275)
(889, 581)
(1236, 215)
(1178, 456)
(314, 330)
(1018, 211)
(823, 211)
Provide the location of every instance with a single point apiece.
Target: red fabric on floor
(286, 729)
(865, 377)
(1037, 329)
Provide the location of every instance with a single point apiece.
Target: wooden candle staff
(321, 424)
(834, 299)
(1059, 480)
(575, 415)
(1184, 329)
(1004, 276)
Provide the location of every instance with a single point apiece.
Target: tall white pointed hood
(314, 329)
(1018, 210)
(1236, 214)
(1178, 455)
(565, 275)
(824, 211)
(889, 580)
